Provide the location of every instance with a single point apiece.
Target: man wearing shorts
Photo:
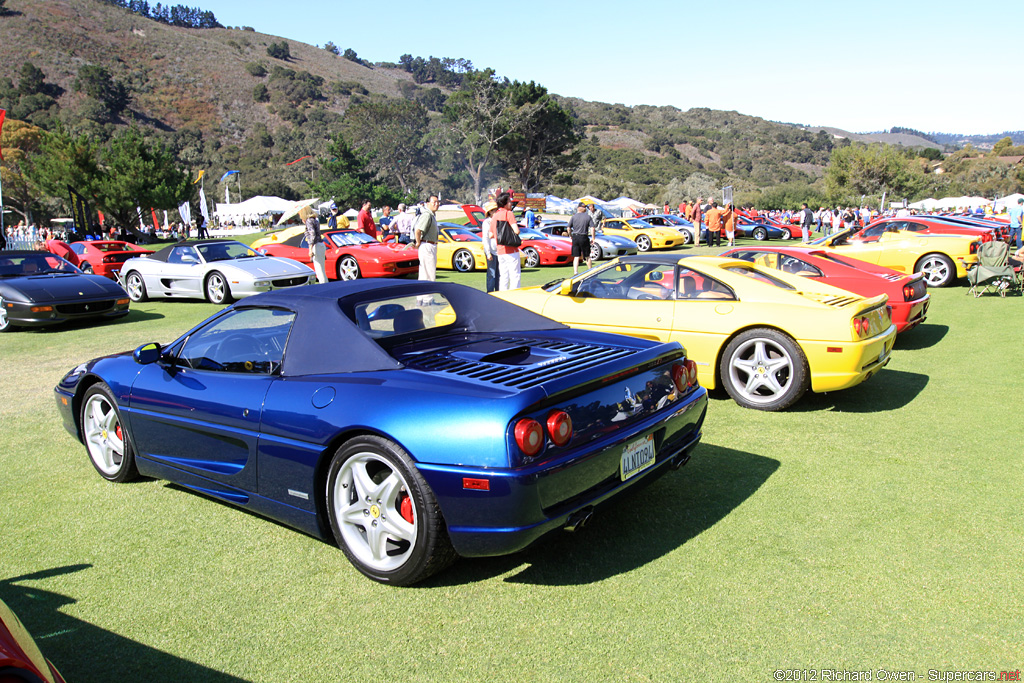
(581, 229)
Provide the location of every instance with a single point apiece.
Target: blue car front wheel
(383, 515)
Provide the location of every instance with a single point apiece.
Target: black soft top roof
(325, 340)
(165, 252)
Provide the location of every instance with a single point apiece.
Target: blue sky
(935, 66)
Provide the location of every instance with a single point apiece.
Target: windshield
(461, 235)
(351, 238)
(225, 251)
(20, 265)
(760, 276)
(639, 224)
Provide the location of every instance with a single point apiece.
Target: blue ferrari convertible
(410, 422)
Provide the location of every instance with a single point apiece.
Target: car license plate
(636, 457)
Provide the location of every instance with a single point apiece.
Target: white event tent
(251, 210)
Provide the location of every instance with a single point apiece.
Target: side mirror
(147, 353)
(565, 289)
(655, 276)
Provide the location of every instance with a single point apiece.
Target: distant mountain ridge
(222, 102)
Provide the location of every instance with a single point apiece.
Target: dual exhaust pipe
(579, 519)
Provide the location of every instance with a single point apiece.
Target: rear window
(403, 315)
(760, 276)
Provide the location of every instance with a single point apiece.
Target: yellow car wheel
(764, 369)
(643, 243)
(463, 261)
(938, 269)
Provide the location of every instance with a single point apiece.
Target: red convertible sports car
(908, 294)
(350, 255)
(104, 257)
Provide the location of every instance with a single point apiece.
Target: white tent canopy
(252, 209)
(1007, 201)
(950, 203)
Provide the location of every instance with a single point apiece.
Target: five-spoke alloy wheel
(135, 286)
(643, 243)
(348, 268)
(764, 369)
(217, 290)
(109, 447)
(463, 261)
(383, 514)
(532, 257)
(938, 269)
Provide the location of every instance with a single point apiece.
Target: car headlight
(261, 283)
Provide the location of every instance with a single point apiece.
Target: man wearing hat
(332, 222)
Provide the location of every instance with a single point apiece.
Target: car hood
(265, 266)
(62, 285)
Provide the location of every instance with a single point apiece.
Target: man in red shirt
(364, 221)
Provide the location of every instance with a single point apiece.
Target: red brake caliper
(405, 507)
(117, 430)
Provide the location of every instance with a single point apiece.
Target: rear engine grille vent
(568, 359)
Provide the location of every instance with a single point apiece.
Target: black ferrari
(39, 288)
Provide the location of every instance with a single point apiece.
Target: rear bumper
(841, 365)
(526, 503)
(907, 315)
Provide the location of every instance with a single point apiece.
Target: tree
(537, 149)
(137, 173)
(128, 172)
(351, 55)
(477, 118)
(390, 134)
(346, 179)
(999, 149)
(97, 82)
(332, 48)
(280, 51)
(870, 170)
(20, 141)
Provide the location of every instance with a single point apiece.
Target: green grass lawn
(875, 528)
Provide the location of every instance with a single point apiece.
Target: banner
(79, 212)
(202, 207)
(229, 173)
(3, 114)
(199, 177)
(308, 156)
(186, 213)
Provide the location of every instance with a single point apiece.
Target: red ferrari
(350, 255)
(20, 658)
(923, 225)
(103, 257)
(908, 294)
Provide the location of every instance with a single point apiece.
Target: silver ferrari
(217, 270)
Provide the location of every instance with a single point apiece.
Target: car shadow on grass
(888, 390)
(633, 530)
(921, 337)
(84, 652)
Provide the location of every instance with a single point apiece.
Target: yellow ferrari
(645, 235)
(941, 258)
(461, 249)
(767, 336)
